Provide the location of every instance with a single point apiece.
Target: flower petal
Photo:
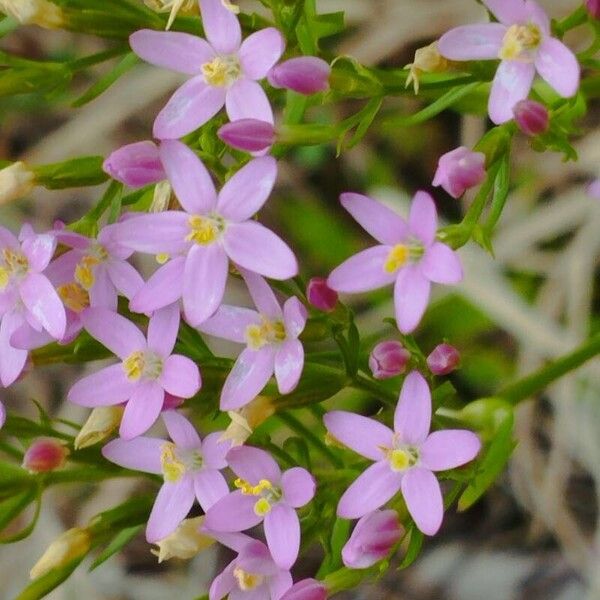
(42, 301)
(412, 418)
(246, 99)
(39, 250)
(289, 362)
(180, 376)
(282, 531)
(234, 512)
(411, 295)
(164, 287)
(230, 323)
(423, 498)
(140, 454)
(362, 272)
(253, 464)
(422, 220)
(12, 360)
(472, 42)
(142, 410)
(125, 278)
(558, 66)
(221, 26)
(215, 449)
(281, 582)
(298, 487)
(511, 84)
(172, 505)
(162, 330)
(441, 264)
(210, 486)
(294, 316)
(106, 387)
(449, 449)
(262, 295)
(508, 11)
(223, 583)
(135, 165)
(260, 51)
(181, 431)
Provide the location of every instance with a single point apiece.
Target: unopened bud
(248, 135)
(45, 454)
(460, 170)
(102, 421)
(305, 74)
(320, 295)
(307, 589)
(16, 181)
(72, 544)
(170, 402)
(486, 415)
(135, 165)
(443, 359)
(593, 7)
(531, 117)
(34, 12)
(388, 359)
(247, 419)
(162, 197)
(427, 60)
(185, 542)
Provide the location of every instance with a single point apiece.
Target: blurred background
(535, 536)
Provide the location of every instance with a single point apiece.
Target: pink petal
(230, 323)
(536, 14)
(298, 487)
(210, 486)
(204, 278)
(260, 51)
(172, 505)
(245, 193)
(256, 558)
(253, 464)
(181, 431)
(125, 278)
(162, 289)
(221, 26)
(289, 362)
(12, 360)
(42, 301)
(411, 295)
(215, 449)
(441, 264)
(106, 387)
(262, 295)
(412, 418)
(181, 52)
(422, 220)
(294, 316)
(307, 589)
(362, 272)
(246, 99)
(188, 176)
(251, 372)
(39, 250)
(234, 512)
(162, 330)
(7, 238)
(511, 85)
(103, 293)
(371, 490)
(223, 583)
(281, 582)
(508, 11)
(558, 66)
(472, 42)
(140, 454)
(303, 74)
(449, 449)
(361, 434)
(142, 410)
(180, 376)
(135, 165)
(192, 105)
(282, 531)
(258, 249)
(27, 338)
(423, 498)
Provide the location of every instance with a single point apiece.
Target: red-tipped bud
(593, 7)
(135, 165)
(305, 74)
(170, 402)
(45, 454)
(248, 135)
(443, 360)
(531, 117)
(388, 359)
(320, 295)
(460, 170)
(307, 589)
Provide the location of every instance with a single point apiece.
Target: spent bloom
(443, 359)
(307, 589)
(459, 170)
(203, 237)
(224, 70)
(173, 7)
(531, 117)
(408, 256)
(103, 420)
(16, 181)
(72, 544)
(271, 338)
(522, 41)
(304, 74)
(185, 542)
(34, 12)
(264, 494)
(190, 468)
(388, 359)
(45, 454)
(147, 370)
(427, 60)
(405, 458)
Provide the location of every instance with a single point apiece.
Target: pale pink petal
(172, 505)
(103, 293)
(423, 498)
(12, 360)
(234, 512)
(181, 431)
(472, 42)
(125, 278)
(223, 583)
(106, 387)
(210, 486)
(558, 66)
(361, 434)
(422, 220)
(282, 531)
(256, 558)
(39, 250)
(246, 99)
(140, 454)
(180, 376)
(260, 51)
(142, 410)
(7, 238)
(262, 295)
(441, 264)
(511, 85)
(449, 449)
(162, 289)
(536, 14)
(221, 26)
(162, 330)
(371, 490)
(508, 11)
(289, 362)
(27, 338)
(230, 323)
(362, 272)
(281, 582)
(294, 316)
(215, 449)
(253, 464)
(42, 301)
(411, 295)
(298, 487)
(307, 589)
(135, 165)
(412, 418)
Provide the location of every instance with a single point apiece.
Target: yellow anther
(268, 332)
(74, 296)
(134, 365)
(399, 460)
(262, 507)
(519, 40)
(221, 71)
(173, 468)
(162, 258)
(247, 581)
(4, 277)
(15, 263)
(203, 230)
(397, 257)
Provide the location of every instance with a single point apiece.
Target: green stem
(576, 18)
(366, 385)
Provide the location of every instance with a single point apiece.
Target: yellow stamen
(268, 332)
(397, 257)
(134, 365)
(519, 40)
(399, 460)
(252, 490)
(74, 296)
(247, 581)
(172, 466)
(15, 263)
(4, 277)
(221, 71)
(162, 258)
(203, 230)
(262, 507)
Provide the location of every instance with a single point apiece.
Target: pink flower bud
(320, 295)
(135, 165)
(170, 402)
(593, 7)
(373, 537)
(531, 117)
(307, 589)
(249, 135)
(460, 170)
(305, 74)
(443, 360)
(388, 359)
(45, 454)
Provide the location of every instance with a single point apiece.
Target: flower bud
(320, 295)
(248, 135)
(16, 181)
(247, 419)
(185, 542)
(427, 60)
(72, 544)
(373, 537)
(593, 7)
(443, 359)
(531, 117)
(460, 170)
(45, 454)
(170, 402)
(102, 421)
(388, 359)
(307, 589)
(34, 12)
(305, 74)
(135, 165)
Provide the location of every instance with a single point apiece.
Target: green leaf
(14, 506)
(118, 543)
(414, 547)
(26, 531)
(134, 511)
(76, 172)
(298, 449)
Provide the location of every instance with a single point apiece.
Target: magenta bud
(249, 135)
(593, 7)
(305, 74)
(460, 170)
(320, 295)
(531, 117)
(388, 359)
(443, 360)
(307, 589)
(45, 454)
(170, 402)
(135, 165)
(373, 538)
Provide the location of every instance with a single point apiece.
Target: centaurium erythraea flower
(147, 371)
(459, 170)
(264, 493)
(523, 42)
(408, 256)
(203, 237)
(191, 469)
(224, 70)
(405, 457)
(271, 338)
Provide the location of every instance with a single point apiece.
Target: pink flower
(307, 589)
(44, 455)
(252, 575)
(372, 540)
(304, 74)
(248, 135)
(405, 458)
(210, 230)
(136, 165)
(147, 371)
(190, 468)
(224, 71)
(388, 359)
(320, 295)
(271, 338)
(408, 256)
(460, 170)
(523, 41)
(443, 359)
(265, 493)
(531, 117)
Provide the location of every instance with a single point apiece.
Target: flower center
(401, 458)
(268, 332)
(247, 581)
(175, 463)
(144, 364)
(205, 230)
(221, 71)
(74, 296)
(520, 41)
(266, 492)
(14, 264)
(400, 254)
(84, 271)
